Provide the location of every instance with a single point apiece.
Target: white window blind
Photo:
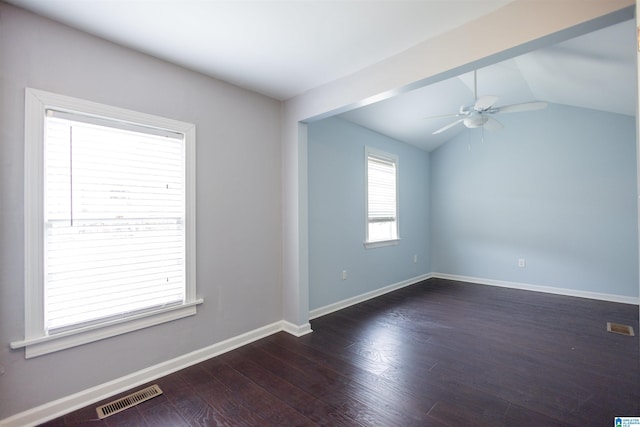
(114, 220)
(381, 197)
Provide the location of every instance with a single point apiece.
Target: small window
(110, 228)
(382, 199)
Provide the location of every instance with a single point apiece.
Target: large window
(382, 199)
(110, 221)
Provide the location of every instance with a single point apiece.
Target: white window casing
(381, 199)
(109, 221)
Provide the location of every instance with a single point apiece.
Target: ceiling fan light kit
(475, 120)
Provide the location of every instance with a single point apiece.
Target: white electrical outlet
(344, 274)
(522, 263)
(415, 258)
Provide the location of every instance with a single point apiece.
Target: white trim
(36, 341)
(381, 243)
(295, 330)
(33, 208)
(318, 312)
(50, 343)
(75, 105)
(322, 311)
(623, 299)
(65, 405)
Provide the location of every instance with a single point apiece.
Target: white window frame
(371, 152)
(37, 342)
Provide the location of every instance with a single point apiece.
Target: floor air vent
(620, 329)
(128, 401)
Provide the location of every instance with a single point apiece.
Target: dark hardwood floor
(439, 353)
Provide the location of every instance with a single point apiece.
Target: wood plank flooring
(438, 353)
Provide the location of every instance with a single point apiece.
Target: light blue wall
(556, 187)
(337, 214)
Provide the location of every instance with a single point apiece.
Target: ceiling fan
(480, 113)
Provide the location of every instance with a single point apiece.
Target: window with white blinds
(110, 221)
(114, 218)
(382, 200)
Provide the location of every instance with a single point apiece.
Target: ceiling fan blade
(526, 106)
(443, 116)
(447, 127)
(485, 102)
(492, 124)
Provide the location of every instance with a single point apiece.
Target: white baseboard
(60, 407)
(57, 408)
(318, 312)
(539, 288)
(296, 331)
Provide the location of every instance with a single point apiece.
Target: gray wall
(239, 199)
(337, 213)
(556, 187)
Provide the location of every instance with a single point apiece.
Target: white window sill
(50, 343)
(381, 243)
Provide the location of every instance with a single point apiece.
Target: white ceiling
(278, 48)
(284, 48)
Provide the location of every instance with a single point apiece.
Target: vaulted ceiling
(595, 71)
(284, 48)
